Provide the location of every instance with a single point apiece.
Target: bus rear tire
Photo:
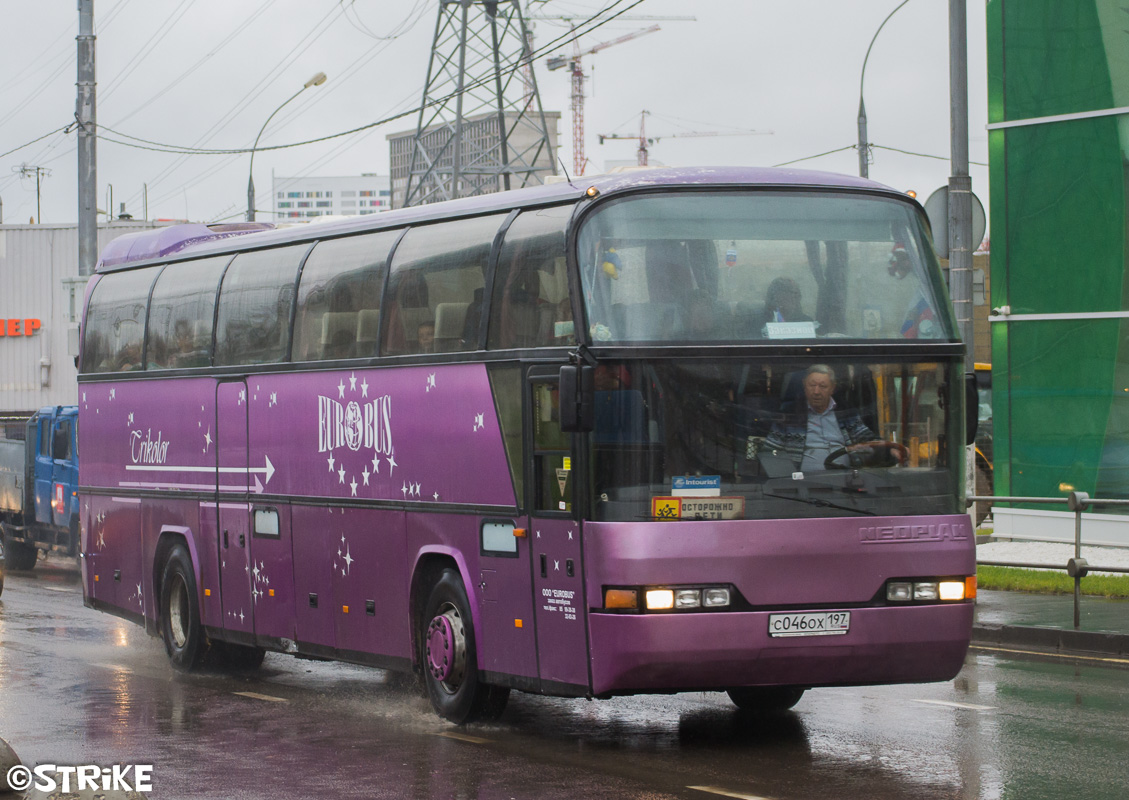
(449, 657)
(183, 635)
(20, 556)
(765, 699)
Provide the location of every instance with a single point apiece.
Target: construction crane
(644, 141)
(577, 70)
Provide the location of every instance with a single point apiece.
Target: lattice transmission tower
(481, 125)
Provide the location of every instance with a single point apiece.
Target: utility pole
(87, 154)
(960, 184)
(26, 171)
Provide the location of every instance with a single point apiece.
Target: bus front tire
(449, 657)
(184, 637)
(765, 699)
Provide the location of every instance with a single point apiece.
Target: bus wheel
(20, 556)
(765, 699)
(448, 656)
(180, 612)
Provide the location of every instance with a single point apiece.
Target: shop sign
(19, 327)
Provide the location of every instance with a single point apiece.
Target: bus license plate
(829, 623)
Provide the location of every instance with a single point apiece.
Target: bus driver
(810, 435)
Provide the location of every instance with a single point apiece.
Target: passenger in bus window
(814, 431)
(425, 337)
(783, 303)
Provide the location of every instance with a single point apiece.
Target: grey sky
(208, 73)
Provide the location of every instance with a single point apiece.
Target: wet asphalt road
(82, 687)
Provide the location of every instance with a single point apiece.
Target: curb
(1055, 640)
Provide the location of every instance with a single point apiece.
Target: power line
(877, 146)
(258, 12)
(921, 155)
(817, 155)
(162, 147)
(36, 139)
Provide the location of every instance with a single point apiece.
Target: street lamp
(864, 145)
(317, 80)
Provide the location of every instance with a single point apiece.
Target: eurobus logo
(354, 425)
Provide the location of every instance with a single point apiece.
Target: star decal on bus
(344, 558)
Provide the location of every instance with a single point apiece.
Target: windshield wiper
(815, 501)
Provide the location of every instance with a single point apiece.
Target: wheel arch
(170, 537)
(429, 563)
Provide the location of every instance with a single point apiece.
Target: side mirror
(578, 398)
(971, 408)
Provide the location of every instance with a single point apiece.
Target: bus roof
(198, 239)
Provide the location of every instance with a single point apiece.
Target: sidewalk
(1045, 622)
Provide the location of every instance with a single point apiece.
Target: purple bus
(688, 429)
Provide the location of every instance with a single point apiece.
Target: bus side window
(339, 297)
(531, 306)
(253, 324)
(436, 285)
(114, 329)
(181, 313)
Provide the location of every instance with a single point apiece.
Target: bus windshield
(693, 439)
(747, 266)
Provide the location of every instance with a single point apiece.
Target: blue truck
(39, 490)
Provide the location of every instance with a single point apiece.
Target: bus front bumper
(706, 651)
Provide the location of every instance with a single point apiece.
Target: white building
(41, 295)
(346, 195)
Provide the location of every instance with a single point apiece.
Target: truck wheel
(448, 656)
(21, 556)
(765, 699)
(180, 612)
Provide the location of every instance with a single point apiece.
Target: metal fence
(1076, 567)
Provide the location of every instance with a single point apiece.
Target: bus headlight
(715, 598)
(900, 592)
(931, 590)
(667, 598)
(950, 590)
(687, 598)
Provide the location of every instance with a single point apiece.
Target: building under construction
(478, 153)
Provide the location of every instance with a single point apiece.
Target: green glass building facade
(1058, 96)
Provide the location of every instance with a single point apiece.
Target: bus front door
(233, 507)
(554, 537)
